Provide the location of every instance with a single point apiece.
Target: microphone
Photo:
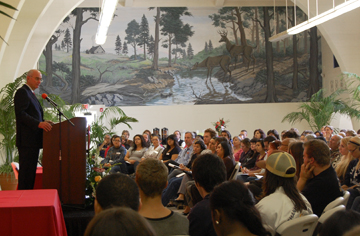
(45, 96)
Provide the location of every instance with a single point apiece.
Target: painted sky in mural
(217, 56)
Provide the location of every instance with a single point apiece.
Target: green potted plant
(320, 110)
(8, 127)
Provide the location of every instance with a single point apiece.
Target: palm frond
(111, 110)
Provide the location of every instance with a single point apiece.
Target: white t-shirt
(278, 208)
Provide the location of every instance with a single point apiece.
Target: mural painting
(170, 56)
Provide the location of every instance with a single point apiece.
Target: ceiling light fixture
(106, 16)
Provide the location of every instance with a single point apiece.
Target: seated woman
(296, 149)
(119, 221)
(282, 200)
(259, 134)
(233, 211)
(223, 151)
(146, 136)
(237, 148)
(110, 145)
(171, 151)
(135, 153)
(246, 159)
(175, 183)
(154, 151)
(352, 176)
(260, 148)
(345, 160)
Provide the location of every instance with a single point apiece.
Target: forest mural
(179, 55)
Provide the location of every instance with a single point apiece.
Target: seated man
(208, 171)
(116, 190)
(115, 156)
(151, 177)
(318, 181)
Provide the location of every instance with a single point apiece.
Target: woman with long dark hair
(281, 200)
(172, 149)
(233, 211)
(223, 151)
(259, 134)
(135, 153)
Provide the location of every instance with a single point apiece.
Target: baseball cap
(280, 163)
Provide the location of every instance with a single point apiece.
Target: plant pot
(8, 181)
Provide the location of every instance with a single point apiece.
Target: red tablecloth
(31, 212)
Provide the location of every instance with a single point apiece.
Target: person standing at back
(29, 128)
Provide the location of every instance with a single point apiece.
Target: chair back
(302, 226)
(346, 197)
(235, 172)
(328, 213)
(337, 202)
(15, 168)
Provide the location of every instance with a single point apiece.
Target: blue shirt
(185, 155)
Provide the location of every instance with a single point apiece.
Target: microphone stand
(59, 114)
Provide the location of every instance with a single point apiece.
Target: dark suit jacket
(29, 114)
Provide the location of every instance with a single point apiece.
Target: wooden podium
(67, 175)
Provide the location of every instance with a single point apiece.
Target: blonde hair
(343, 164)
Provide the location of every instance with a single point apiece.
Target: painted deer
(211, 62)
(236, 51)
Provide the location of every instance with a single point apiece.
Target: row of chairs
(307, 225)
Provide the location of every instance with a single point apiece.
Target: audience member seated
(309, 137)
(318, 181)
(334, 150)
(345, 160)
(223, 151)
(267, 141)
(116, 190)
(259, 134)
(135, 153)
(124, 142)
(185, 154)
(146, 137)
(292, 133)
(282, 201)
(318, 133)
(103, 146)
(199, 146)
(246, 159)
(208, 172)
(178, 137)
(115, 156)
(260, 148)
(226, 134)
(243, 134)
(328, 133)
(350, 133)
(151, 177)
(273, 133)
(284, 146)
(321, 138)
(209, 134)
(110, 145)
(127, 140)
(296, 149)
(173, 188)
(352, 176)
(273, 146)
(237, 147)
(172, 150)
(155, 150)
(340, 223)
(119, 221)
(233, 211)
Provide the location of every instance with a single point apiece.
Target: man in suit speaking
(29, 128)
